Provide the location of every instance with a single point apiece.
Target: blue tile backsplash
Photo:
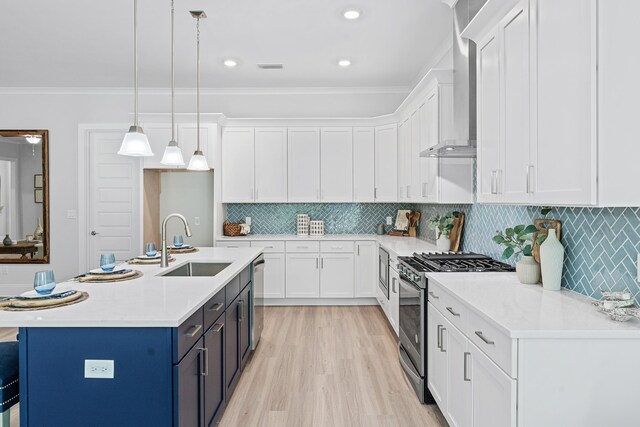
(601, 244)
(339, 218)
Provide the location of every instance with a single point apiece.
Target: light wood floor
(326, 366)
(321, 366)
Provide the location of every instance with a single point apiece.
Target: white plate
(181, 247)
(156, 256)
(100, 271)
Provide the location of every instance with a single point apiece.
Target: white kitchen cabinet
(159, 135)
(238, 165)
(437, 357)
(336, 275)
(429, 136)
(274, 275)
(336, 165)
(386, 166)
(366, 269)
(363, 165)
(459, 401)
(270, 164)
(404, 154)
(493, 391)
(303, 165)
(413, 189)
(394, 300)
(303, 275)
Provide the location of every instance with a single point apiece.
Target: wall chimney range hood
(464, 86)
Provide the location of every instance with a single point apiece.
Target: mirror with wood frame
(24, 196)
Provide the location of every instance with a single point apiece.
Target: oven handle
(405, 281)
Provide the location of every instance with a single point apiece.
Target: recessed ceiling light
(230, 63)
(344, 63)
(351, 14)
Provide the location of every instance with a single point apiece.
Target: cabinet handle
(205, 365)
(218, 327)
(442, 330)
(433, 295)
(192, 331)
(483, 338)
(358, 247)
(241, 311)
(215, 307)
(375, 193)
(466, 366)
(424, 189)
(439, 337)
(317, 263)
(450, 310)
(494, 182)
(322, 262)
(393, 285)
(529, 186)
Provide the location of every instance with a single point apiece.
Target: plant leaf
(509, 232)
(508, 253)
(518, 229)
(527, 250)
(498, 239)
(541, 238)
(530, 229)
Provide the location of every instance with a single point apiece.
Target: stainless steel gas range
(413, 306)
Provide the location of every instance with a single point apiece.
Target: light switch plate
(247, 220)
(196, 220)
(98, 369)
(389, 220)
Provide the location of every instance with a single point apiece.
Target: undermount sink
(197, 269)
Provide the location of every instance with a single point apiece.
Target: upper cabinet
(386, 166)
(336, 164)
(555, 96)
(304, 165)
(159, 135)
(271, 164)
(237, 165)
(363, 164)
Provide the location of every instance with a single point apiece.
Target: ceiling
(80, 43)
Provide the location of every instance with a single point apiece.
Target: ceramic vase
(39, 231)
(528, 270)
(443, 244)
(551, 262)
(7, 240)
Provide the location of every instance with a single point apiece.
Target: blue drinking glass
(44, 282)
(107, 262)
(150, 249)
(178, 241)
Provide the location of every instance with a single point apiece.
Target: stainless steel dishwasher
(257, 306)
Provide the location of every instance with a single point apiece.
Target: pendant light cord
(173, 76)
(135, 62)
(198, 82)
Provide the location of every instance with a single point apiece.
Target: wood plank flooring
(317, 367)
(326, 366)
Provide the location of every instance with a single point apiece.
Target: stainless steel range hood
(464, 88)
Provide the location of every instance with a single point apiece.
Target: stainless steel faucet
(164, 258)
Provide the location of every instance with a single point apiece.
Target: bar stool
(9, 387)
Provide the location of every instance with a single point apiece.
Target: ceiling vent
(270, 66)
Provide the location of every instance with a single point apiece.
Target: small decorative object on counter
(551, 261)
(107, 262)
(519, 240)
(44, 282)
(245, 229)
(414, 219)
(7, 241)
(442, 225)
(303, 224)
(544, 224)
(231, 229)
(150, 249)
(39, 231)
(380, 229)
(316, 228)
(178, 241)
(619, 306)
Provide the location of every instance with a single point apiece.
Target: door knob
(94, 233)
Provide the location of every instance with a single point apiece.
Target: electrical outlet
(247, 220)
(389, 219)
(196, 220)
(98, 369)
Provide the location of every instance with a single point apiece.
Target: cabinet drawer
(214, 308)
(187, 334)
(302, 246)
(436, 295)
(233, 244)
(501, 349)
(337, 247)
(245, 276)
(270, 246)
(232, 289)
(452, 309)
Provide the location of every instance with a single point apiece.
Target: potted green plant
(518, 241)
(443, 224)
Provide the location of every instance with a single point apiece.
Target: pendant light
(135, 142)
(198, 161)
(173, 154)
(33, 140)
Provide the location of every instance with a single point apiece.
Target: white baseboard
(319, 301)
(11, 290)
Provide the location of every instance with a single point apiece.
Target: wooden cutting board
(456, 232)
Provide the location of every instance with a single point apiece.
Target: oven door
(412, 323)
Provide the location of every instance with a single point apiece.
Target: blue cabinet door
(188, 389)
(232, 346)
(214, 385)
(245, 324)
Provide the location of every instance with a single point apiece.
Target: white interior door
(114, 199)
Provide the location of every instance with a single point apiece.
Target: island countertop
(150, 301)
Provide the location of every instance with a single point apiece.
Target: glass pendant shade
(135, 143)
(172, 155)
(33, 139)
(198, 162)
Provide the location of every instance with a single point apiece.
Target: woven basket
(231, 229)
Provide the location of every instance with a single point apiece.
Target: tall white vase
(551, 261)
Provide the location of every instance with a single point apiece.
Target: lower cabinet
(188, 391)
(244, 325)
(366, 269)
(232, 346)
(394, 300)
(274, 275)
(303, 275)
(336, 276)
(214, 384)
(437, 356)
(459, 397)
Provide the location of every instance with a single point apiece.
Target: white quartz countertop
(398, 245)
(150, 301)
(528, 311)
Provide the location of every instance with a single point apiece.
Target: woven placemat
(183, 251)
(135, 274)
(74, 299)
(147, 261)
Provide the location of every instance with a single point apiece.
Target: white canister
(302, 224)
(551, 262)
(443, 244)
(316, 228)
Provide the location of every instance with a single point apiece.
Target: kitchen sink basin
(197, 269)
